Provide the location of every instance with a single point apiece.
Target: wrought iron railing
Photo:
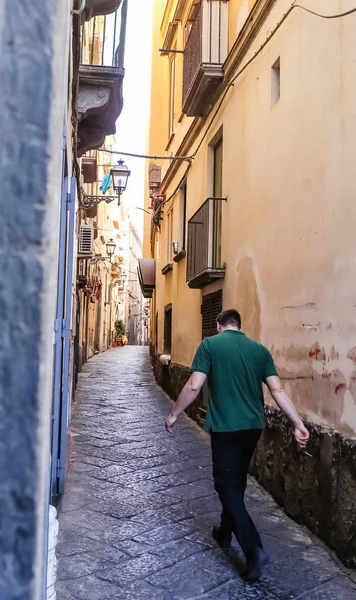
(192, 54)
(207, 41)
(103, 41)
(204, 239)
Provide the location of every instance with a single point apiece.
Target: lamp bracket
(87, 201)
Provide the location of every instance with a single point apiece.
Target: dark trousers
(232, 453)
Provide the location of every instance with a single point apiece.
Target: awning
(147, 276)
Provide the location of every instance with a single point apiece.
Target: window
(172, 82)
(169, 237)
(210, 309)
(217, 193)
(275, 82)
(167, 329)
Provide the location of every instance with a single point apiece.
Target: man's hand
(301, 435)
(186, 397)
(170, 422)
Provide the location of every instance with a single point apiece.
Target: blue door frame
(62, 330)
(66, 335)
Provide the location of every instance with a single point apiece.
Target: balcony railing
(101, 40)
(205, 52)
(204, 244)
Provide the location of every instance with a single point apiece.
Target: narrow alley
(136, 518)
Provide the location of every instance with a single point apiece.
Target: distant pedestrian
(236, 367)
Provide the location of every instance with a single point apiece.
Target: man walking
(236, 367)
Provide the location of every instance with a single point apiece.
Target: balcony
(204, 55)
(101, 75)
(204, 245)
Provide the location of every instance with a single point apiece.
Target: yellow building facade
(253, 107)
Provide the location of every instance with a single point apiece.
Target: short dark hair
(229, 317)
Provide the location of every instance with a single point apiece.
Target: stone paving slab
(136, 518)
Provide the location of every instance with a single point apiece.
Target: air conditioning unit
(86, 241)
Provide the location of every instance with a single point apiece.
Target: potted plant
(120, 332)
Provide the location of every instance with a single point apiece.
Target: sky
(132, 125)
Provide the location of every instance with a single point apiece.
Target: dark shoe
(223, 541)
(256, 565)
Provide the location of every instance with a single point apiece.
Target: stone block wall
(316, 487)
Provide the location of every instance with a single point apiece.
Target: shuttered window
(210, 308)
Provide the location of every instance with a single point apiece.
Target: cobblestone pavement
(139, 506)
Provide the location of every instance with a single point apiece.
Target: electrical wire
(147, 156)
(178, 186)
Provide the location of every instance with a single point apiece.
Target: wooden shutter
(210, 308)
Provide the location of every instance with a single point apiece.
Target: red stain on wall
(317, 353)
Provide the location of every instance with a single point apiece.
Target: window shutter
(211, 307)
(86, 239)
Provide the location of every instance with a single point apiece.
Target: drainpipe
(120, 51)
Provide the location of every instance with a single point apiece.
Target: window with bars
(210, 308)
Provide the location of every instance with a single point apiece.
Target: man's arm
(286, 405)
(186, 397)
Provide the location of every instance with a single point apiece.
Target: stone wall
(34, 40)
(316, 488)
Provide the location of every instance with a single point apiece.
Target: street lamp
(123, 277)
(120, 174)
(110, 248)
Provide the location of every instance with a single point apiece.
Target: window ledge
(205, 278)
(178, 257)
(167, 269)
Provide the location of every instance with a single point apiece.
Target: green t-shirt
(236, 367)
